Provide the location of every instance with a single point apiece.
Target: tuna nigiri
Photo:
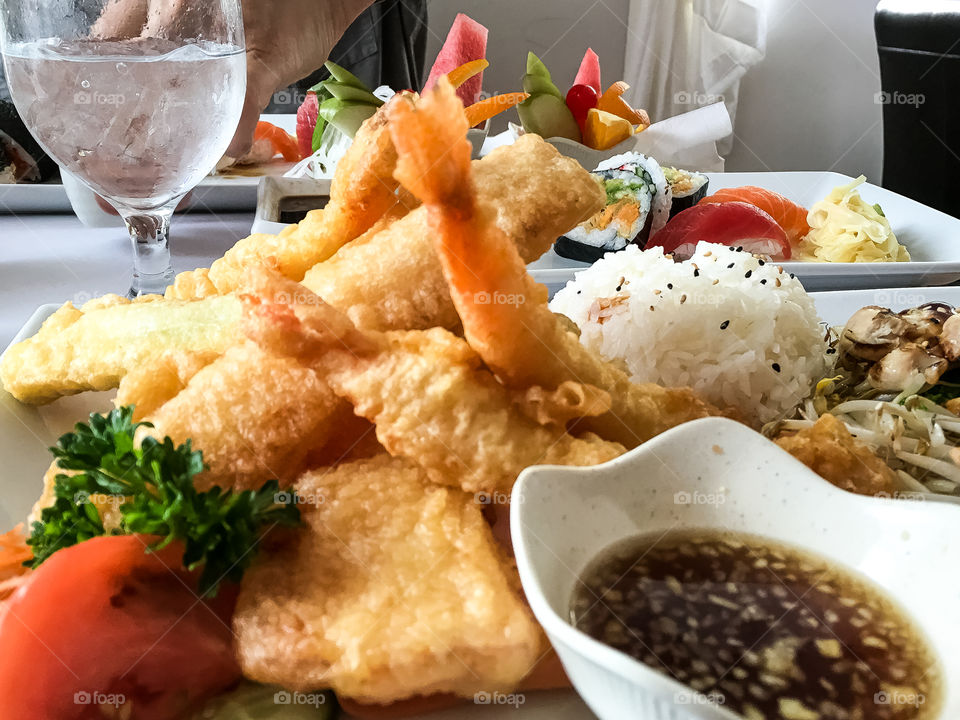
(732, 223)
(788, 215)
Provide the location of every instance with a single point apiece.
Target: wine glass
(137, 98)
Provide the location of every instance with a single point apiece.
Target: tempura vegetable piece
(504, 312)
(427, 392)
(14, 552)
(256, 417)
(832, 452)
(394, 588)
(391, 280)
(95, 346)
(151, 385)
(361, 192)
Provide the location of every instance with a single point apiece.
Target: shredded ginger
(845, 228)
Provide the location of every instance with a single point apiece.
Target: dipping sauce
(762, 629)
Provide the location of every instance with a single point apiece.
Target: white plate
(223, 193)
(25, 434)
(932, 237)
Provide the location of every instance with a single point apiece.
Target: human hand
(285, 41)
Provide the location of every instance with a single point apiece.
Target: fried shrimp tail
(504, 312)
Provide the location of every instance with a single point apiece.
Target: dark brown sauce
(763, 629)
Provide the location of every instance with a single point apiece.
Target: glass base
(145, 284)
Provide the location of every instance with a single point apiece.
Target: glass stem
(149, 233)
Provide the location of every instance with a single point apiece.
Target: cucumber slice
(349, 92)
(344, 115)
(344, 76)
(548, 117)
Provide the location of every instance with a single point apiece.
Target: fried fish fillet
(93, 347)
(256, 417)
(427, 392)
(394, 588)
(831, 451)
(391, 280)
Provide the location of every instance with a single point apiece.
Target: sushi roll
(688, 188)
(21, 157)
(638, 205)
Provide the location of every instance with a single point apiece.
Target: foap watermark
(285, 497)
(899, 98)
(496, 498)
(499, 698)
(891, 298)
(692, 697)
(290, 97)
(903, 495)
(86, 97)
(698, 498)
(697, 97)
(900, 698)
(285, 697)
(101, 699)
(101, 500)
(304, 297)
(498, 298)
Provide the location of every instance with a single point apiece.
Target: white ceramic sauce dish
(562, 518)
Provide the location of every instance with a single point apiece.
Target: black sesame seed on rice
(776, 367)
(763, 282)
(725, 324)
(730, 266)
(749, 273)
(669, 286)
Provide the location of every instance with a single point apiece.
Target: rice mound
(740, 331)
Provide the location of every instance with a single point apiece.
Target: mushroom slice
(926, 321)
(872, 332)
(904, 366)
(950, 338)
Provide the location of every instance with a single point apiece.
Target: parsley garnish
(153, 485)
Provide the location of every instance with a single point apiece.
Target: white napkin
(685, 54)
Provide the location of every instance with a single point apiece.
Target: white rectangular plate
(932, 237)
(223, 193)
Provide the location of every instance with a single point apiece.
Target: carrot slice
(485, 109)
(458, 76)
(282, 141)
(14, 552)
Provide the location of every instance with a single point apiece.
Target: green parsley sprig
(152, 483)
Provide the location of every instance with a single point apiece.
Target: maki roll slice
(21, 157)
(688, 188)
(638, 205)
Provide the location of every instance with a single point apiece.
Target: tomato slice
(581, 99)
(104, 623)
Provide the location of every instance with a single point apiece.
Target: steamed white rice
(741, 332)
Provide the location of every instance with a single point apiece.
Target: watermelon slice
(306, 122)
(466, 41)
(589, 72)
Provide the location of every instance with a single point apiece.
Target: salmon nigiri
(787, 214)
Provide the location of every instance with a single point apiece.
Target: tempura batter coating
(391, 280)
(361, 192)
(427, 392)
(832, 452)
(394, 588)
(93, 347)
(255, 416)
(504, 311)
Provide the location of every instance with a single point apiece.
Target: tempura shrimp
(427, 392)
(362, 192)
(503, 310)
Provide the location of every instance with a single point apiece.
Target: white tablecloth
(53, 258)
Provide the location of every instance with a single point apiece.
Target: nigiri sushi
(736, 224)
(788, 215)
(638, 205)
